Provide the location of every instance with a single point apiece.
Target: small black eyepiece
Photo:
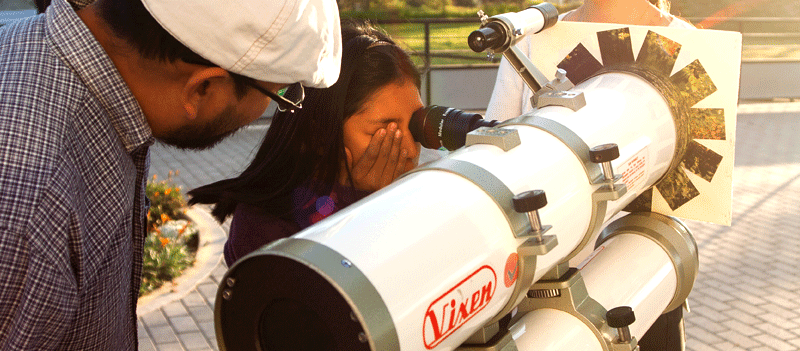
(489, 37)
(435, 126)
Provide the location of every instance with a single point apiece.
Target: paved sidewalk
(747, 296)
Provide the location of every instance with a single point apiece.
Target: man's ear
(200, 87)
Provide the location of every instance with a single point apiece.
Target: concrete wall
(764, 80)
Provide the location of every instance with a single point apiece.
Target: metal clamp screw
(530, 202)
(621, 318)
(604, 154)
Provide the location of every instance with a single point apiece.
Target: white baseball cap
(278, 41)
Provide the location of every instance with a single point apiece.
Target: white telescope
(472, 252)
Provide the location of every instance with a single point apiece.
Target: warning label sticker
(633, 170)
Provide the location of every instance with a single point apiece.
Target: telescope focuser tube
(621, 318)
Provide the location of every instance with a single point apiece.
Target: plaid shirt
(73, 165)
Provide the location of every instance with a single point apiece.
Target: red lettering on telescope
(458, 305)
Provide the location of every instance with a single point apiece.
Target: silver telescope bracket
(501, 33)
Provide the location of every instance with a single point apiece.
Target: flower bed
(172, 239)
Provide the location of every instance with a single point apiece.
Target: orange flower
(166, 192)
(164, 217)
(155, 194)
(164, 241)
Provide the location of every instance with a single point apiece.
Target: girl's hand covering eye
(382, 161)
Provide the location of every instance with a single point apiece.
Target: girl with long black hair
(347, 141)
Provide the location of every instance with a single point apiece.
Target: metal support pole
(427, 64)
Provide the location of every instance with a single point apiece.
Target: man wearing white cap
(84, 92)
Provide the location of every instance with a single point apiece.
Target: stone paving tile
(154, 319)
(175, 346)
(705, 337)
(207, 328)
(746, 307)
(776, 331)
(208, 289)
(145, 344)
(193, 299)
(795, 342)
(184, 324)
(780, 311)
(173, 309)
(711, 314)
(741, 328)
(727, 346)
(778, 320)
(140, 329)
(697, 346)
(162, 334)
(774, 342)
(202, 313)
(194, 341)
(738, 339)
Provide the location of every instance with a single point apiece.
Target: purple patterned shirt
(252, 228)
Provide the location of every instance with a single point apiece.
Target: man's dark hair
(130, 21)
(41, 5)
(307, 149)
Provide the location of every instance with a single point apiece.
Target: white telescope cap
(278, 41)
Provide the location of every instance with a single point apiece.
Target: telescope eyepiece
(489, 37)
(435, 126)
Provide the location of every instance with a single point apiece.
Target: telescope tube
(425, 262)
(646, 261)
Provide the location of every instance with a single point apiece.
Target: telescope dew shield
(322, 302)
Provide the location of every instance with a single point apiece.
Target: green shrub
(171, 238)
(163, 260)
(166, 201)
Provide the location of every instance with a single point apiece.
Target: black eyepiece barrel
(435, 126)
(492, 36)
(484, 38)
